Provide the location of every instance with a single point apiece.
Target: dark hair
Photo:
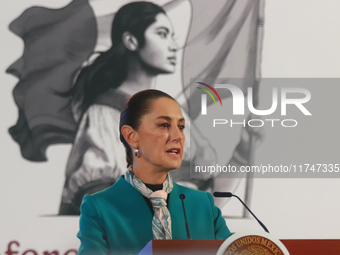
(109, 70)
(134, 109)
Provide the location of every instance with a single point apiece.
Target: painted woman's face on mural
(159, 50)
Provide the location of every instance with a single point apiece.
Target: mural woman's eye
(162, 34)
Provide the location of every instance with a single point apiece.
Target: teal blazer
(118, 220)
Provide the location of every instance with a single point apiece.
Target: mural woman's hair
(109, 70)
(134, 109)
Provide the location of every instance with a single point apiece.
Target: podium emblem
(250, 243)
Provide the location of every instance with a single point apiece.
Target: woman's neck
(138, 78)
(149, 176)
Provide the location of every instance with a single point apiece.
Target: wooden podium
(312, 246)
(207, 247)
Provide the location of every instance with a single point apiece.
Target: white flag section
(30, 191)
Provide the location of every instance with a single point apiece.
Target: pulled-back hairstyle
(134, 109)
(109, 70)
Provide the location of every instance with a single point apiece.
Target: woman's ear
(130, 135)
(130, 41)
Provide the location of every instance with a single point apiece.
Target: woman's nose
(177, 135)
(173, 45)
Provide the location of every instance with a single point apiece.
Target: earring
(136, 152)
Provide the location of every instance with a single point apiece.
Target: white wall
(301, 40)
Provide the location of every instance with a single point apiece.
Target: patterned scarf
(161, 222)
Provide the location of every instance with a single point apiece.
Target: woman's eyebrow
(168, 118)
(165, 28)
(164, 117)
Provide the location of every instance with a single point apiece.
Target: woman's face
(161, 137)
(159, 50)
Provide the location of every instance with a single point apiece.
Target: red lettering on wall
(9, 251)
(69, 252)
(51, 253)
(31, 251)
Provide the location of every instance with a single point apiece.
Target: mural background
(301, 40)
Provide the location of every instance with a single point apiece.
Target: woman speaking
(145, 203)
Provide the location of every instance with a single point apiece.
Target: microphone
(229, 194)
(182, 197)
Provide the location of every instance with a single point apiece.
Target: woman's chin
(176, 166)
(172, 166)
(170, 69)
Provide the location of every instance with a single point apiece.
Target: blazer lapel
(135, 207)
